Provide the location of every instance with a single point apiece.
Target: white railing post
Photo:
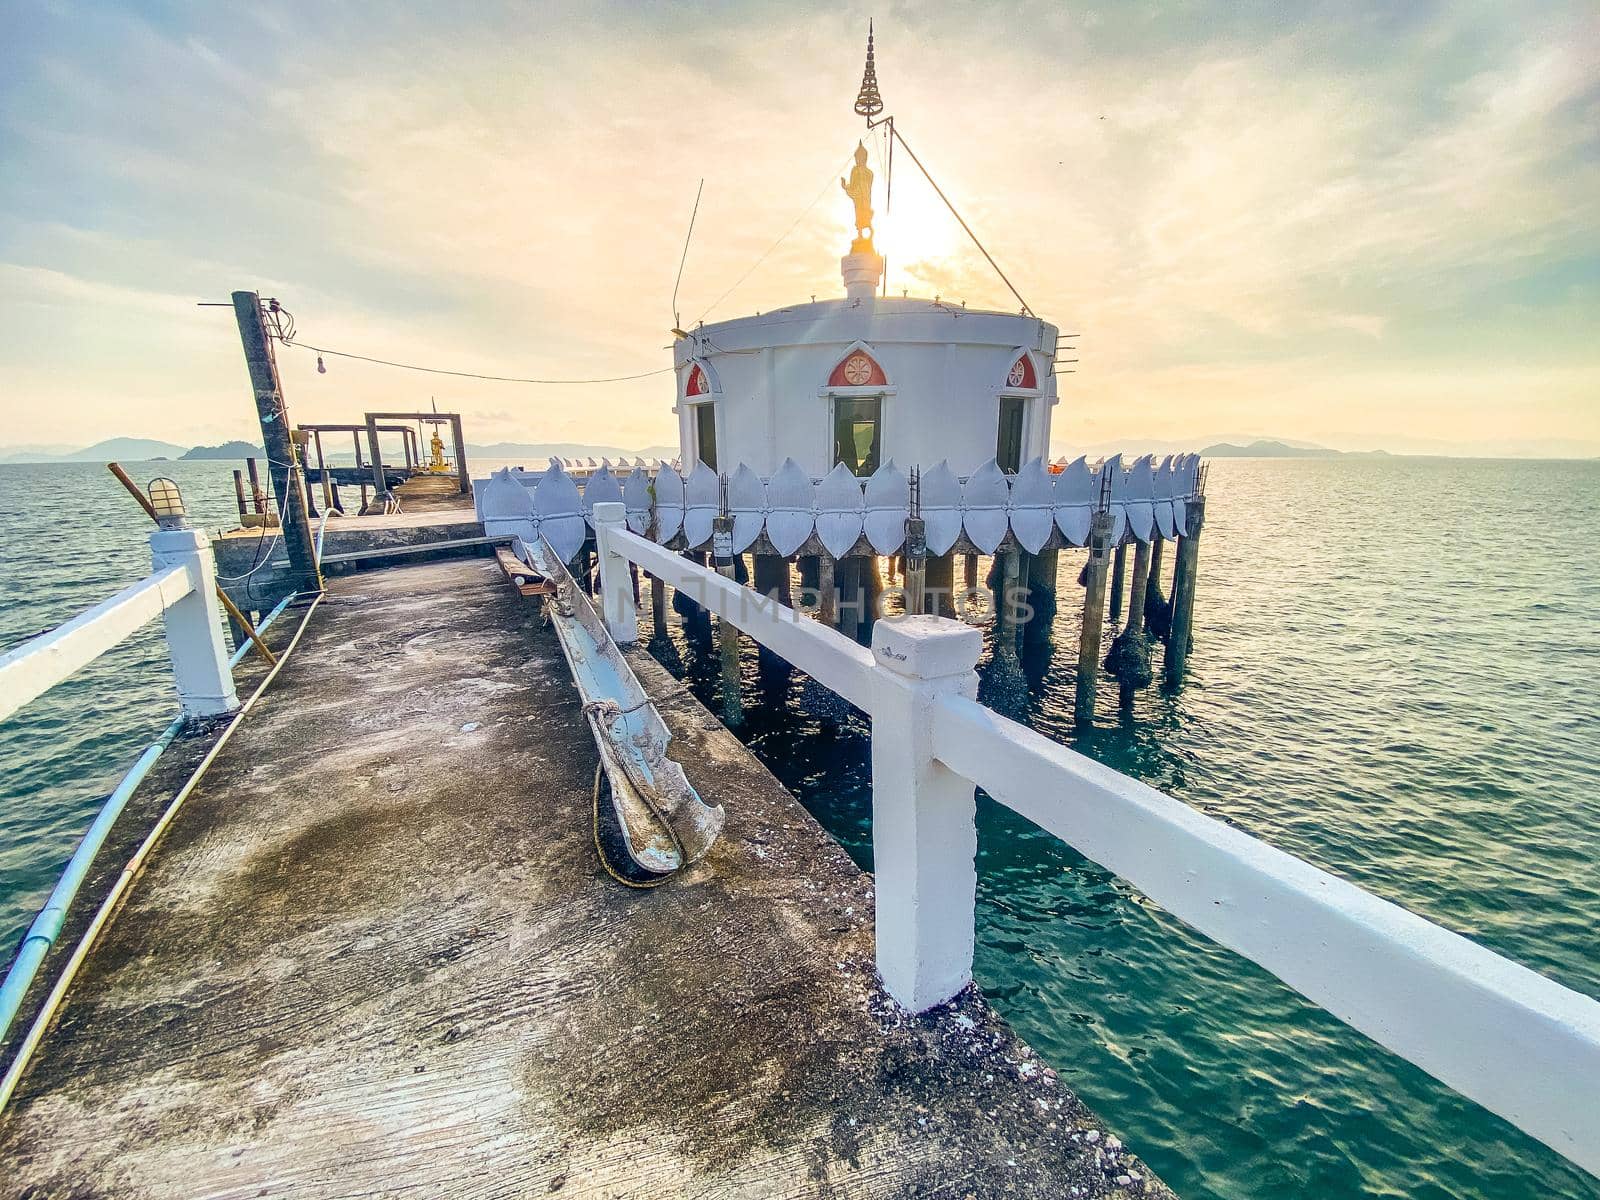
(194, 632)
(616, 582)
(924, 839)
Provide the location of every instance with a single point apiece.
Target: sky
(1361, 226)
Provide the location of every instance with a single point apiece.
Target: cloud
(1289, 223)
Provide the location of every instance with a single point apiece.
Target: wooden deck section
(375, 956)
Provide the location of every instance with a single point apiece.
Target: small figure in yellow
(859, 189)
(436, 464)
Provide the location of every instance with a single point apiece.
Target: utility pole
(287, 484)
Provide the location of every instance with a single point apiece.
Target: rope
(895, 130)
(607, 712)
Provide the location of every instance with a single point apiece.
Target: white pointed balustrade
(1039, 508)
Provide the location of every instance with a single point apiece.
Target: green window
(705, 434)
(1008, 445)
(857, 433)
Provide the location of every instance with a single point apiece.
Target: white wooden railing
(180, 589)
(1517, 1043)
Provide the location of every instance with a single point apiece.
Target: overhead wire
(796, 225)
(404, 366)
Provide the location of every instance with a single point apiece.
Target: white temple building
(866, 379)
(863, 380)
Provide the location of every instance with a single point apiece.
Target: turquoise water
(70, 536)
(1393, 677)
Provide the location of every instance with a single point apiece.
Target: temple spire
(868, 103)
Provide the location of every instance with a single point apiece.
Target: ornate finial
(868, 103)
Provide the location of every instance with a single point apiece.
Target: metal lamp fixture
(167, 501)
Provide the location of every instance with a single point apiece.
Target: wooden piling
(1183, 579)
(770, 579)
(941, 585)
(1117, 568)
(1153, 599)
(1094, 606)
(771, 575)
(851, 597)
(727, 633)
(827, 592)
(1042, 597)
(238, 491)
(1005, 613)
(1134, 632)
(658, 609)
(915, 576)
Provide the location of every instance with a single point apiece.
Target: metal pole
(273, 415)
(464, 483)
(257, 497)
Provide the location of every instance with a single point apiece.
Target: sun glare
(917, 228)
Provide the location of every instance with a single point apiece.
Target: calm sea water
(1394, 677)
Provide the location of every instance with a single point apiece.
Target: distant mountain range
(534, 454)
(1264, 448)
(123, 449)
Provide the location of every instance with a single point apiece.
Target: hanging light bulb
(321, 370)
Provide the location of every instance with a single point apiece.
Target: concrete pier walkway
(375, 955)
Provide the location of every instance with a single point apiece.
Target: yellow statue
(859, 189)
(437, 465)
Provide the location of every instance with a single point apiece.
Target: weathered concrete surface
(149, 800)
(376, 956)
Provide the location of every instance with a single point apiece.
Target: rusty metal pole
(274, 417)
(258, 498)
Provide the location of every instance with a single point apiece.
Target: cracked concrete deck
(375, 956)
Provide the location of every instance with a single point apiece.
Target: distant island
(127, 449)
(234, 450)
(1263, 448)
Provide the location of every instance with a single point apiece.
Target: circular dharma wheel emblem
(858, 370)
(1017, 374)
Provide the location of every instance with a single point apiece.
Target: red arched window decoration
(1022, 375)
(697, 382)
(858, 369)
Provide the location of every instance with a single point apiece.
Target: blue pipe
(244, 647)
(46, 926)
